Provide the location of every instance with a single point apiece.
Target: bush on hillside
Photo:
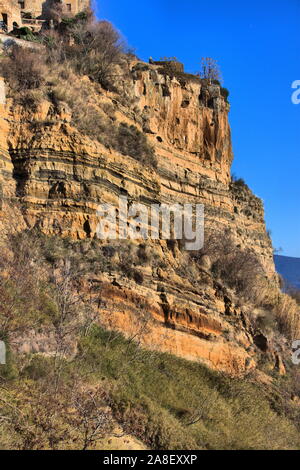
(294, 293)
(238, 268)
(23, 69)
(130, 141)
(225, 94)
(91, 48)
(238, 183)
(96, 52)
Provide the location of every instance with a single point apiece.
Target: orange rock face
(61, 176)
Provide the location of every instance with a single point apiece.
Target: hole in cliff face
(207, 134)
(108, 251)
(261, 342)
(210, 103)
(171, 244)
(165, 91)
(207, 155)
(87, 229)
(58, 190)
(153, 75)
(159, 139)
(205, 99)
(21, 184)
(185, 103)
(218, 155)
(20, 173)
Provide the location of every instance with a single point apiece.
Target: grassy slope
(164, 401)
(156, 397)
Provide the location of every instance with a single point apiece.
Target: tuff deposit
(60, 176)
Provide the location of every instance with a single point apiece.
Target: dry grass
(287, 312)
(238, 268)
(63, 398)
(96, 118)
(23, 69)
(32, 80)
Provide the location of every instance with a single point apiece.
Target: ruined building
(10, 14)
(33, 13)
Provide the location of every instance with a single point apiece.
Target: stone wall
(11, 10)
(38, 7)
(10, 13)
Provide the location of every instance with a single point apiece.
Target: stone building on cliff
(10, 14)
(33, 13)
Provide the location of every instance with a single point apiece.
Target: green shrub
(25, 34)
(225, 94)
(38, 368)
(238, 268)
(238, 183)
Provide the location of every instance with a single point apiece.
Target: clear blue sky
(257, 45)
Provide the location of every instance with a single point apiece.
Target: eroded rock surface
(61, 176)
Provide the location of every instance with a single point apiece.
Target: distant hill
(289, 268)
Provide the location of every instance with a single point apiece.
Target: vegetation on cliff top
(89, 55)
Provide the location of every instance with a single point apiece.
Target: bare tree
(93, 419)
(210, 69)
(96, 51)
(45, 418)
(23, 69)
(204, 408)
(19, 264)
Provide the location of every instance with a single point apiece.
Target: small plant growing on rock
(225, 94)
(238, 268)
(238, 183)
(130, 141)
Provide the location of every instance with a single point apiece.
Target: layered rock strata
(60, 176)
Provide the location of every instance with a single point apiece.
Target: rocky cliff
(60, 176)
